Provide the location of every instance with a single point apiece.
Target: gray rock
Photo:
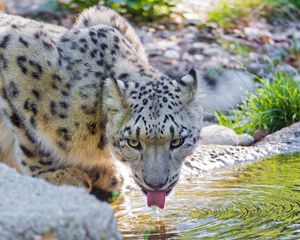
(33, 209)
(223, 89)
(287, 69)
(172, 54)
(208, 157)
(221, 135)
(297, 78)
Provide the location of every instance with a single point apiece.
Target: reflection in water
(258, 201)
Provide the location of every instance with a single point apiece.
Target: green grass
(272, 107)
(234, 48)
(226, 13)
(139, 10)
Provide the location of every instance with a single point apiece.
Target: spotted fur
(72, 100)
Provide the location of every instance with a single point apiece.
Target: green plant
(234, 48)
(145, 10)
(226, 12)
(271, 107)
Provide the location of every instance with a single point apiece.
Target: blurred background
(206, 34)
(235, 45)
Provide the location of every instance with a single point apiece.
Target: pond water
(255, 201)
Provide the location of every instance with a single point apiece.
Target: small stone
(287, 69)
(212, 51)
(297, 78)
(198, 57)
(245, 140)
(172, 54)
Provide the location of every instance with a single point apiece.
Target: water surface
(254, 201)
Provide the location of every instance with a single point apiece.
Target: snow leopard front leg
(31, 159)
(40, 163)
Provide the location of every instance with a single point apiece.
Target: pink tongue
(156, 198)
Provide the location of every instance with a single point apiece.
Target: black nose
(156, 185)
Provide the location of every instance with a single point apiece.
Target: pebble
(172, 54)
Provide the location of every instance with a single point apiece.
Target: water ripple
(260, 201)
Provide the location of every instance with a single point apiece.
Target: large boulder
(221, 135)
(223, 89)
(34, 209)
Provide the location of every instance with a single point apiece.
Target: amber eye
(134, 143)
(177, 142)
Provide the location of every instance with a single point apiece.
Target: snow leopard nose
(157, 184)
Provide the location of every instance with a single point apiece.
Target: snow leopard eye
(176, 143)
(134, 144)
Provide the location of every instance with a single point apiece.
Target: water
(258, 201)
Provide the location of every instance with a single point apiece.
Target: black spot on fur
(63, 115)
(30, 137)
(64, 133)
(102, 142)
(56, 77)
(27, 152)
(104, 46)
(123, 75)
(38, 69)
(3, 61)
(47, 45)
(94, 40)
(37, 35)
(64, 93)
(54, 86)
(137, 132)
(15, 120)
(45, 162)
(13, 90)
(24, 42)
(30, 106)
(5, 41)
(33, 121)
(34, 168)
(92, 127)
(21, 63)
(62, 145)
(36, 65)
(88, 110)
(53, 108)
(35, 75)
(64, 39)
(64, 105)
(46, 171)
(101, 33)
(36, 94)
(85, 22)
(172, 131)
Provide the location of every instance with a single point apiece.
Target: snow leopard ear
(189, 84)
(115, 92)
